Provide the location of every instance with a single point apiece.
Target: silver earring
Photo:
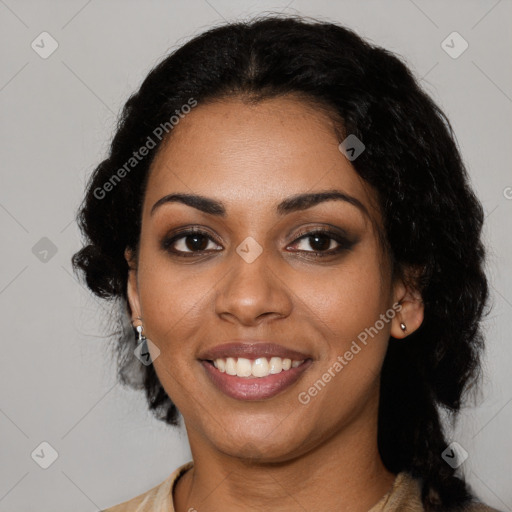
(142, 350)
(403, 327)
(141, 336)
(139, 329)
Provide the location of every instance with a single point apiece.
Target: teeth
(243, 367)
(276, 365)
(230, 366)
(260, 367)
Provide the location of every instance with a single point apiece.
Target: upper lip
(251, 350)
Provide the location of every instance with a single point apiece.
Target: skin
(275, 454)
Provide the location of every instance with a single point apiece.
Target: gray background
(57, 116)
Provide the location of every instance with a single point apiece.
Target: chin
(259, 446)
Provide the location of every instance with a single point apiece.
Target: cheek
(348, 298)
(173, 303)
(347, 306)
(172, 298)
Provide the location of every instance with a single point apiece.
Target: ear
(412, 309)
(132, 287)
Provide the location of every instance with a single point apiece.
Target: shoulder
(156, 499)
(405, 496)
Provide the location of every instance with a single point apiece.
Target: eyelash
(344, 243)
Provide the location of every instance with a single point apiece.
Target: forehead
(252, 155)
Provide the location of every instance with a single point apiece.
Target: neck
(345, 473)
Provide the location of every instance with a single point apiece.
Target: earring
(403, 327)
(142, 350)
(139, 329)
(141, 336)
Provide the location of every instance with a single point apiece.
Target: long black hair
(432, 218)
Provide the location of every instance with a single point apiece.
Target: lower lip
(256, 388)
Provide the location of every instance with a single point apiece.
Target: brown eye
(189, 242)
(319, 241)
(323, 242)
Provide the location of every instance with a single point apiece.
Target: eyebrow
(291, 204)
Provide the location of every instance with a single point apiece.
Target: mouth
(252, 369)
(254, 379)
(259, 367)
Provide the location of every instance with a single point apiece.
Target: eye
(186, 243)
(323, 242)
(195, 241)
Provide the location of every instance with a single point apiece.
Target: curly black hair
(432, 218)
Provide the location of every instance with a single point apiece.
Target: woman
(285, 218)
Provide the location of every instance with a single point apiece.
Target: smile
(257, 379)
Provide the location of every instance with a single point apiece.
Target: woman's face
(253, 277)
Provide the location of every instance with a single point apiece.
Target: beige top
(404, 496)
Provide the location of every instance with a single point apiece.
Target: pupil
(196, 245)
(319, 246)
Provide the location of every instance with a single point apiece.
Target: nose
(253, 291)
